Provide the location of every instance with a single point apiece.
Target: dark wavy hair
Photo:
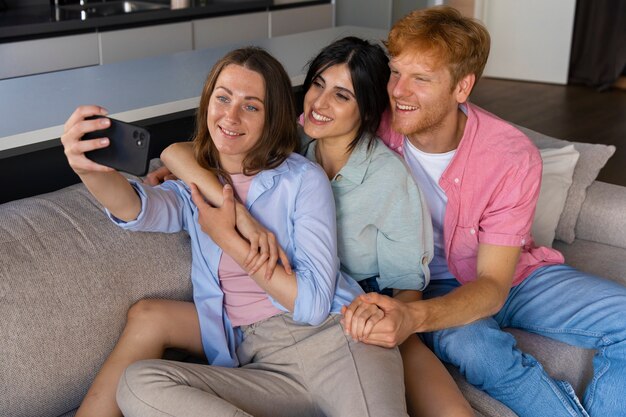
(369, 70)
(279, 137)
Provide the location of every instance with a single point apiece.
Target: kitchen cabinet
(381, 14)
(218, 31)
(50, 54)
(143, 42)
(300, 19)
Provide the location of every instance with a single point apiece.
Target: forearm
(466, 304)
(407, 296)
(475, 300)
(114, 192)
(179, 159)
(280, 286)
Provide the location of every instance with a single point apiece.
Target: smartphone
(128, 147)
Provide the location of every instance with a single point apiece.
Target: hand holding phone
(128, 148)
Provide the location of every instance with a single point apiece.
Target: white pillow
(558, 170)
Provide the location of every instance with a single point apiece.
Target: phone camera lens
(135, 134)
(142, 136)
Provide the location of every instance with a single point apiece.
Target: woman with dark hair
(384, 232)
(275, 346)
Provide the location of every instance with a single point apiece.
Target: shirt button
(523, 241)
(338, 177)
(456, 180)
(472, 232)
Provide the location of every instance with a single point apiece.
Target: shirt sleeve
(508, 217)
(405, 236)
(161, 209)
(315, 260)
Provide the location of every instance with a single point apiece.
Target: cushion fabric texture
(556, 179)
(603, 215)
(67, 278)
(592, 158)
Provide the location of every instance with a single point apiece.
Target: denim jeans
(371, 285)
(558, 302)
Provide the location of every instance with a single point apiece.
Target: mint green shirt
(383, 225)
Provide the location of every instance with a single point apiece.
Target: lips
(317, 117)
(405, 107)
(230, 133)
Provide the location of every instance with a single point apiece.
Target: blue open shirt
(295, 202)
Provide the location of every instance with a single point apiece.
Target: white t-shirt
(426, 169)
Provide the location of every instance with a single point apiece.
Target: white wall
(530, 39)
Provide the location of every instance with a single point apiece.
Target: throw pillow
(592, 158)
(556, 179)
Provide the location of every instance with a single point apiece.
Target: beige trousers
(288, 369)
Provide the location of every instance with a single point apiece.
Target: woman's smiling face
(330, 106)
(236, 114)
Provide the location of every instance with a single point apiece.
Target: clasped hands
(377, 319)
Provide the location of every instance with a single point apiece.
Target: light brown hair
(279, 137)
(460, 43)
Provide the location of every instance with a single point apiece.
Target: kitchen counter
(43, 21)
(34, 108)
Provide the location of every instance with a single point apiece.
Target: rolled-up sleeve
(160, 209)
(507, 220)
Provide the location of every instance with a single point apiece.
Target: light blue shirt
(294, 201)
(383, 225)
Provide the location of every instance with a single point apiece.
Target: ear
(464, 88)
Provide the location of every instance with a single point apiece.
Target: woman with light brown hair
(275, 347)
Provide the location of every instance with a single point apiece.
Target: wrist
(240, 209)
(417, 316)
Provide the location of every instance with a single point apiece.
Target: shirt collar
(356, 167)
(266, 180)
(454, 173)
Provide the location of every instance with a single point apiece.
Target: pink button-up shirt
(492, 185)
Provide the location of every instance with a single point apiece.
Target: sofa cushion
(556, 179)
(603, 215)
(595, 258)
(67, 278)
(592, 158)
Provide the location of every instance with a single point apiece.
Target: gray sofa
(68, 277)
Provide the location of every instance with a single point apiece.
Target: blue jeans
(558, 302)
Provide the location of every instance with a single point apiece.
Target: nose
(232, 114)
(321, 101)
(397, 86)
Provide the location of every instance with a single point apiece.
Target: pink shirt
(492, 185)
(245, 302)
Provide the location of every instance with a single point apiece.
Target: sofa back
(67, 278)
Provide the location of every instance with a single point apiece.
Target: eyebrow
(231, 93)
(427, 73)
(339, 87)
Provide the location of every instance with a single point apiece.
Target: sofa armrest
(602, 218)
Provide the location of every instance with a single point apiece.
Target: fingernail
(103, 111)
(104, 141)
(104, 122)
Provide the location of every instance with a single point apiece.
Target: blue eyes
(247, 107)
